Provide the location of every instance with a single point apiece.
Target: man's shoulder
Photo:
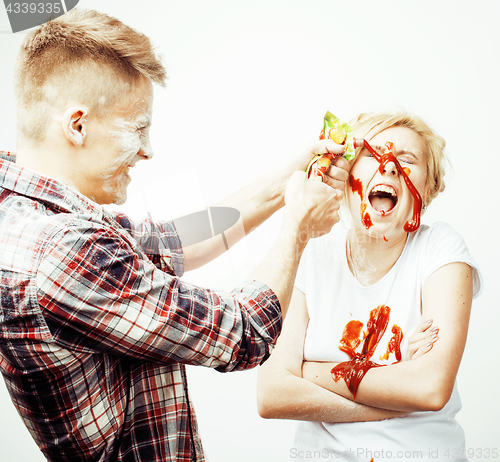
(28, 224)
(20, 210)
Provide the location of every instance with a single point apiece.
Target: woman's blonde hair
(369, 124)
(82, 57)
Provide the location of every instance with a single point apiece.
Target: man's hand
(301, 158)
(257, 201)
(311, 210)
(311, 207)
(336, 175)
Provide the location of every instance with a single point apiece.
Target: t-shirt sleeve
(443, 246)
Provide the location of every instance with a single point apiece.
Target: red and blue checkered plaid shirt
(95, 327)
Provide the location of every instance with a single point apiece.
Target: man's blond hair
(370, 124)
(83, 57)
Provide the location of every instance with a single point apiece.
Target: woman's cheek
(420, 182)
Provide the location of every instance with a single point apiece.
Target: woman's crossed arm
(289, 388)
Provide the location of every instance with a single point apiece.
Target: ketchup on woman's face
(386, 187)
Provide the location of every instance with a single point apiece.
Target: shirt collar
(6, 155)
(55, 194)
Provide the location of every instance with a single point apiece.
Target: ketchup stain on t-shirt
(354, 370)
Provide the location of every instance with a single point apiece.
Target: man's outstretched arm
(257, 201)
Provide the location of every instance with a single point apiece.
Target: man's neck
(53, 162)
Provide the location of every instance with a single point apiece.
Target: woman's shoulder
(438, 226)
(436, 232)
(439, 244)
(437, 240)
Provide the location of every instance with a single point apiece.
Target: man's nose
(146, 150)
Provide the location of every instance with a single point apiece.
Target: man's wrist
(296, 236)
(276, 186)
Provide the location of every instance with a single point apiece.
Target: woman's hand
(422, 340)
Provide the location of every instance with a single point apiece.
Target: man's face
(115, 144)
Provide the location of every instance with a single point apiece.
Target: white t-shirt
(335, 297)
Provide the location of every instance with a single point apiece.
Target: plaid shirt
(95, 327)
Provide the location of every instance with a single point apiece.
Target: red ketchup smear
(319, 168)
(394, 345)
(322, 164)
(351, 337)
(367, 220)
(383, 160)
(354, 370)
(357, 187)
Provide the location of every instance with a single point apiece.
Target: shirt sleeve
(158, 240)
(98, 295)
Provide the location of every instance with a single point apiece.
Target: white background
(249, 81)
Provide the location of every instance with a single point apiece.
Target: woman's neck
(371, 258)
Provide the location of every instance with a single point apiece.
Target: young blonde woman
(425, 281)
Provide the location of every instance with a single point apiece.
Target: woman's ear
(74, 125)
(425, 196)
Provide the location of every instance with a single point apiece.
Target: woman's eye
(406, 160)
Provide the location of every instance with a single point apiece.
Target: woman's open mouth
(383, 198)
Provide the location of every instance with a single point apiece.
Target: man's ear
(74, 125)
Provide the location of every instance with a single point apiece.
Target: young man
(95, 324)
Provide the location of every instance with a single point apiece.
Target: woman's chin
(384, 227)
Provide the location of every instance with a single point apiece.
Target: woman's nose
(390, 169)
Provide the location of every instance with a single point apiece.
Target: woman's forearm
(404, 387)
(286, 396)
(282, 392)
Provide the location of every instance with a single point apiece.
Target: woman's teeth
(384, 188)
(383, 198)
